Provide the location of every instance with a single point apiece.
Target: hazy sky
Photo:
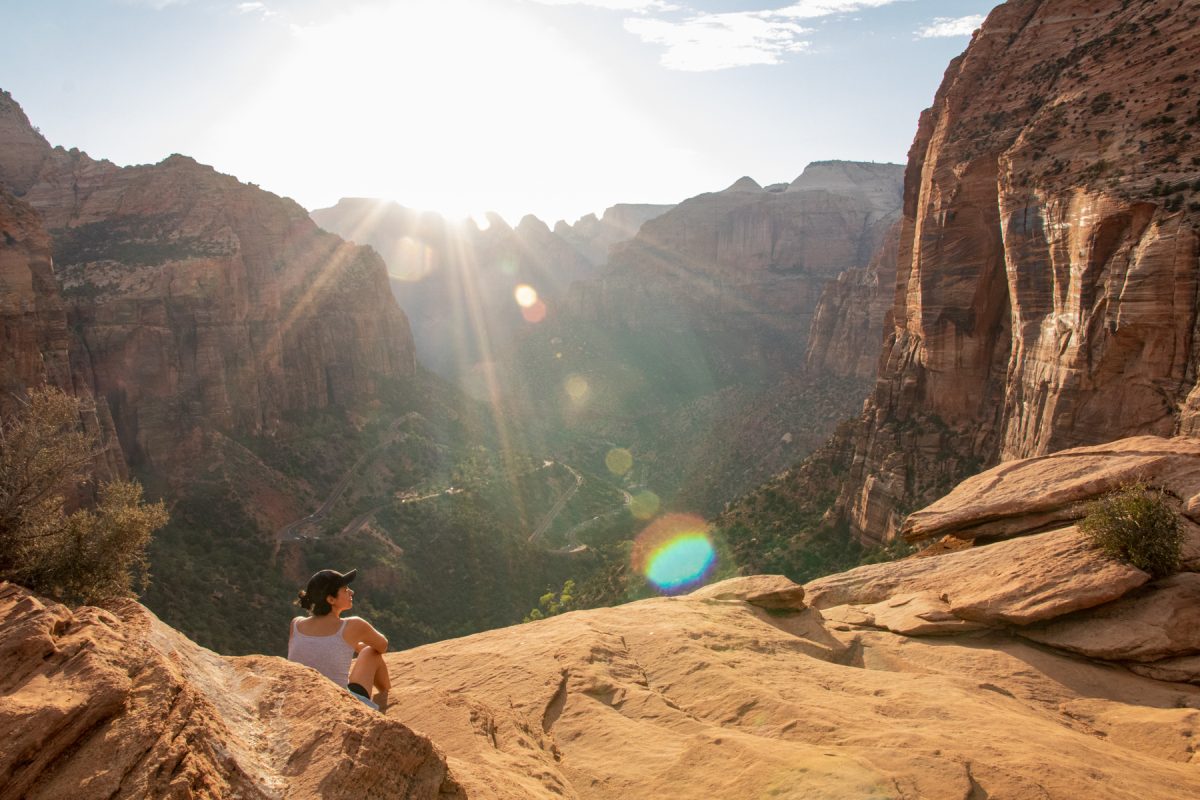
(553, 107)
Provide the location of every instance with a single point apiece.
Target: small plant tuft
(1137, 525)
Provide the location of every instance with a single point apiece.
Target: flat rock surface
(1018, 581)
(104, 704)
(677, 698)
(1032, 493)
(764, 591)
(1160, 621)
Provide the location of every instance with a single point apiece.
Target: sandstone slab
(1162, 620)
(764, 591)
(918, 614)
(1184, 669)
(1034, 493)
(675, 698)
(1018, 581)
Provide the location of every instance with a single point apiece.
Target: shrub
(89, 555)
(1137, 525)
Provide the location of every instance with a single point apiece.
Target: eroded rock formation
(1047, 274)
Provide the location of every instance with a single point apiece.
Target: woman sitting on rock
(328, 643)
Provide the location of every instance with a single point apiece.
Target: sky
(554, 107)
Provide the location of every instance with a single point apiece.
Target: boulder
(773, 592)
(1035, 493)
(915, 614)
(1160, 621)
(1018, 582)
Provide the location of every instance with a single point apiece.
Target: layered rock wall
(1047, 274)
(847, 325)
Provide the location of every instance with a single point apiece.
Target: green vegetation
(1136, 525)
(90, 555)
(133, 240)
(551, 604)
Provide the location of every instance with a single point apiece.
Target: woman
(328, 643)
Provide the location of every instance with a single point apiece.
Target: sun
(458, 106)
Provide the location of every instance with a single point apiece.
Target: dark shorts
(360, 693)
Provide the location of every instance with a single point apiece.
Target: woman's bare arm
(361, 633)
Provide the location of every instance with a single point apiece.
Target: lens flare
(577, 388)
(675, 553)
(618, 460)
(535, 312)
(526, 295)
(644, 504)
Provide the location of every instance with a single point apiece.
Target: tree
(86, 556)
(551, 604)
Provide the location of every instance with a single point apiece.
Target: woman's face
(343, 600)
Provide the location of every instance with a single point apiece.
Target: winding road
(293, 531)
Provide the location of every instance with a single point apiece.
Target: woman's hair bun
(303, 600)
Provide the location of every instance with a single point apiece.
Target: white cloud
(641, 6)
(720, 41)
(951, 26)
(255, 7)
(702, 42)
(812, 9)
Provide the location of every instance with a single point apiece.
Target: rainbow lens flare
(675, 553)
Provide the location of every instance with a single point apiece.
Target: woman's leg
(368, 670)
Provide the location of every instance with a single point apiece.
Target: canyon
(1017, 305)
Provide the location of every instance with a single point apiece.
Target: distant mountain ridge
(456, 280)
(746, 262)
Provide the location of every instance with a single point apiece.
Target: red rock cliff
(199, 300)
(1047, 274)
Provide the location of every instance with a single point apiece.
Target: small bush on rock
(1137, 525)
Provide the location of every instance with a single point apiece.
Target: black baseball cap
(327, 582)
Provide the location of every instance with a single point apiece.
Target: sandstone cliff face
(1047, 273)
(34, 338)
(199, 300)
(99, 704)
(747, 263)
(847, 325)
(36, 344)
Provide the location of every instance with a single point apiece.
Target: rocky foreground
(1031, 666)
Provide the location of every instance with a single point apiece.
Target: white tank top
(329, 655)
